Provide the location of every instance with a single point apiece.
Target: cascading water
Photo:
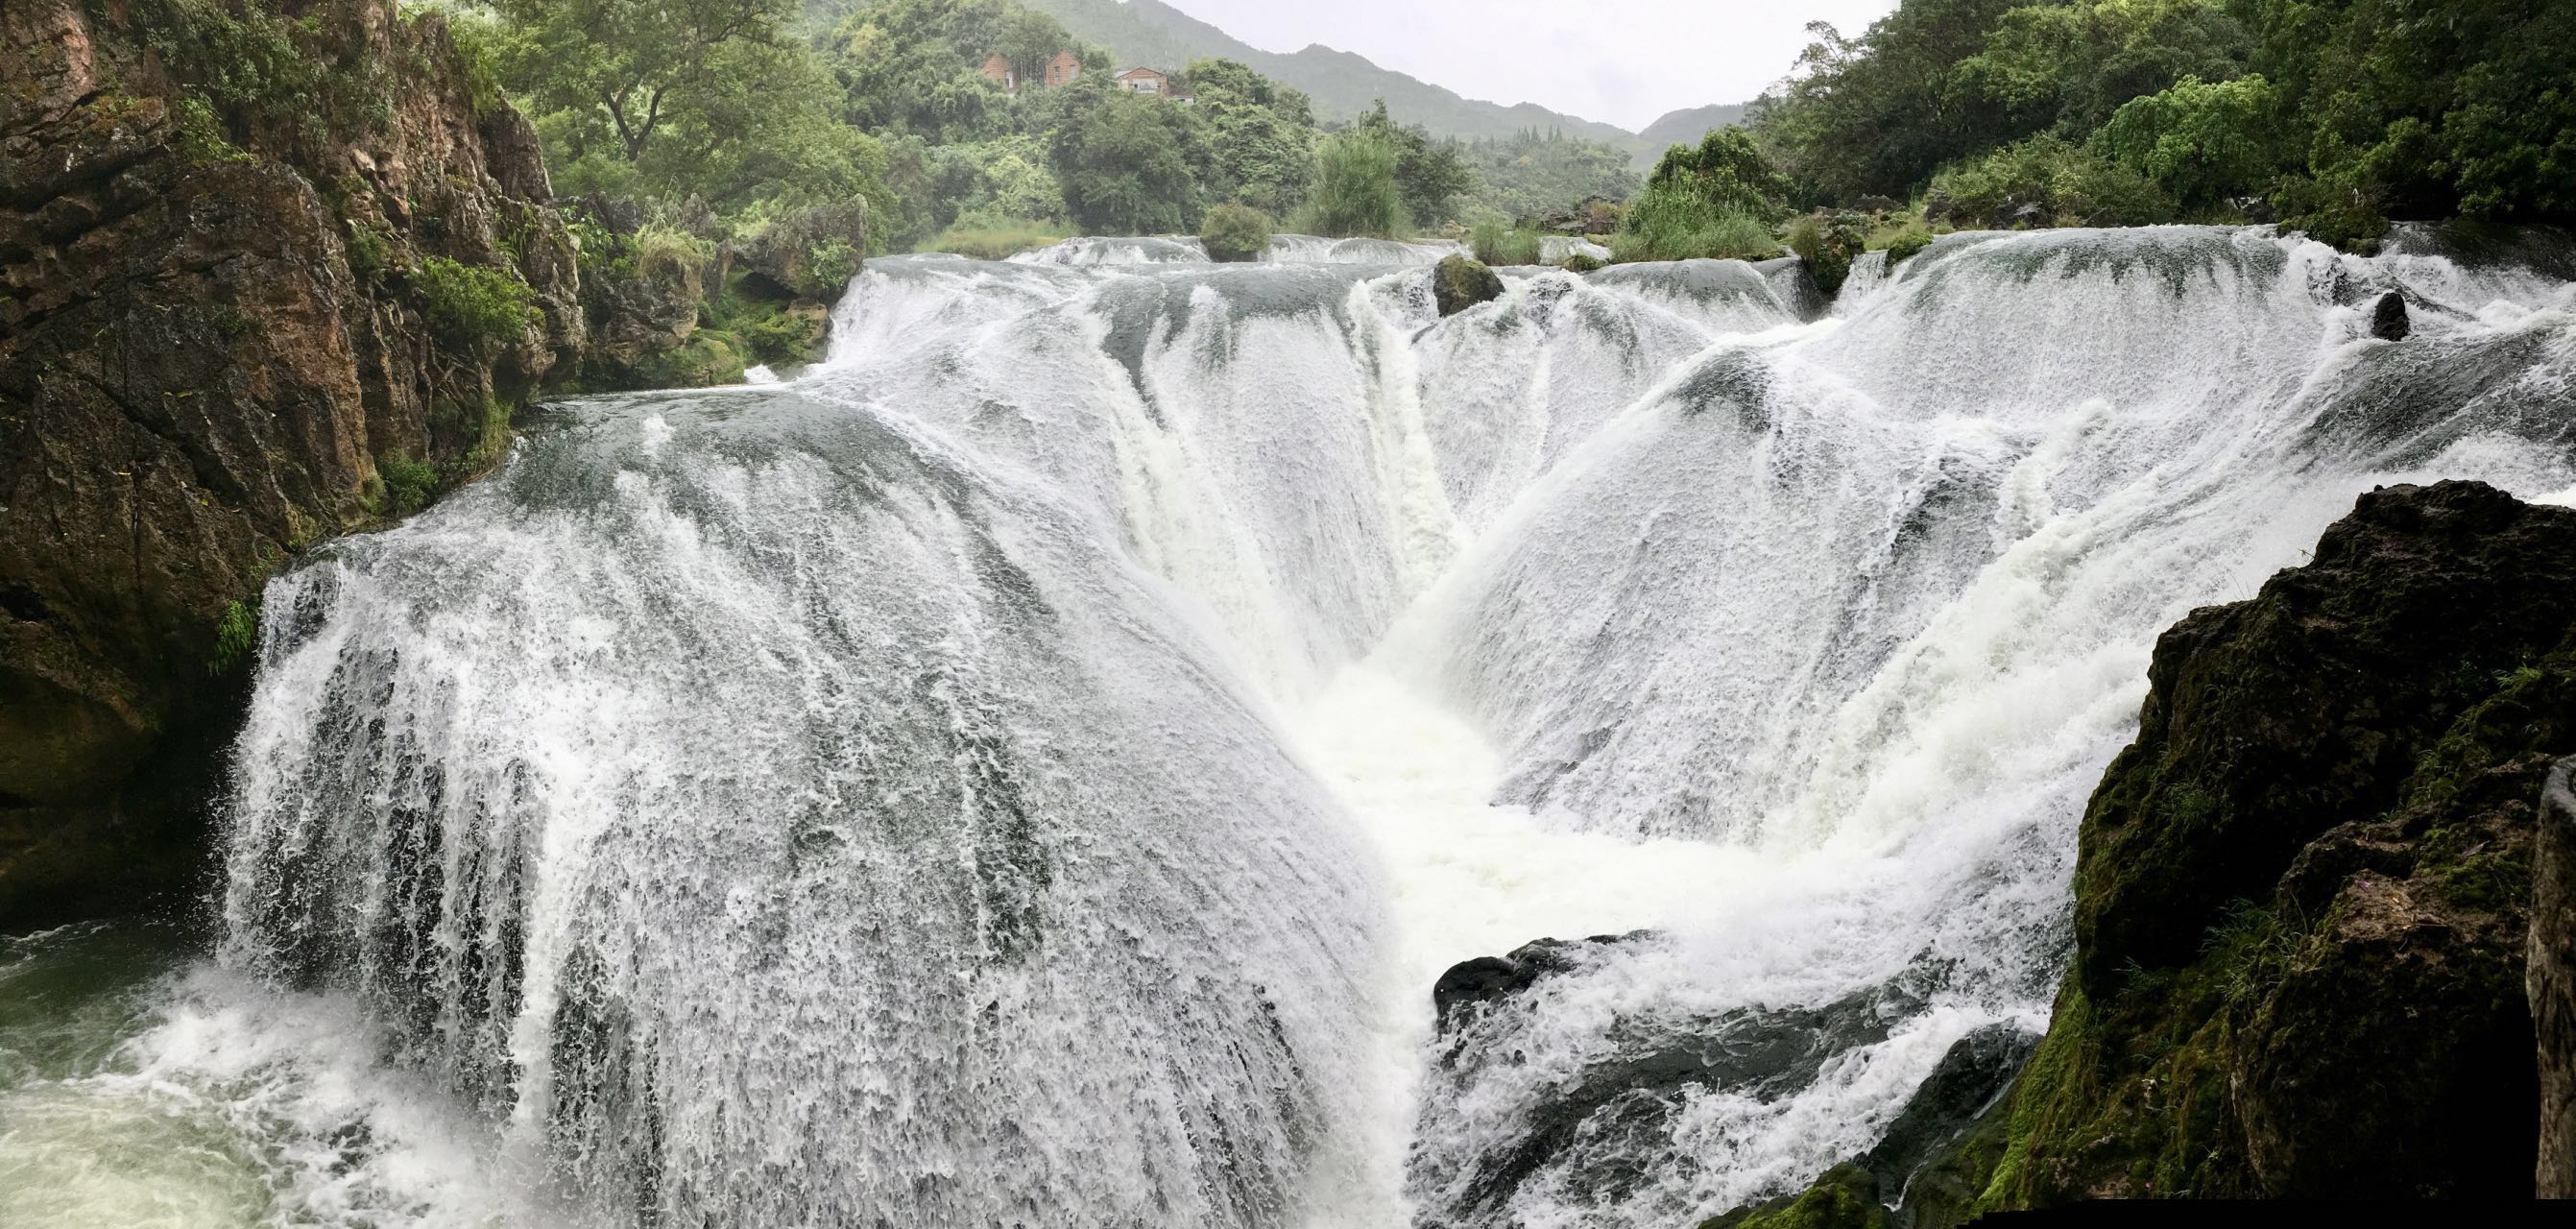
(1031, 769)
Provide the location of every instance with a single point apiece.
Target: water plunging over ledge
(1031, 768)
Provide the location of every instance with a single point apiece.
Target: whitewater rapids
(1030, 769)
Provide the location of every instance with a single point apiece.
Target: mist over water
(1032, 768)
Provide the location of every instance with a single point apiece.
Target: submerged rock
(2388, 321)
(1458, 283)
(1591, 1135)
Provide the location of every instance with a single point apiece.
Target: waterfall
(1031, 768)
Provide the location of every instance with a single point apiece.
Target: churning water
(1031, 769)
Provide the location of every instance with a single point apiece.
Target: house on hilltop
(1061, 70)
(1146, 81)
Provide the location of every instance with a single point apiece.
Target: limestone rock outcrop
(235, 320)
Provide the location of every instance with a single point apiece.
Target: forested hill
(1683, 127)
(1342, 84)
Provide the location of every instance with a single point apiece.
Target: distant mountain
(1684, 127)
(1156, 35)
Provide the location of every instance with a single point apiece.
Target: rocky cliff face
(267, 274)
(2302, 897)
(2305, 910)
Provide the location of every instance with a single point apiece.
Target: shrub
(199, 135)
(1235, 233)
(1906, 245)
(986, 237)
(236, 635)
(1664, 225)
(1497, 244)
(1828, 242)
(473, 307)
(1582, 262)
(1354, 192)
(830, 265)
(671, 254)
(1725, 173)
(408, 483)
(2045, 181)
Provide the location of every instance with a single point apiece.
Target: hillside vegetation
(2331, 116)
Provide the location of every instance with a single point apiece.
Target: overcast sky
(1624, 63)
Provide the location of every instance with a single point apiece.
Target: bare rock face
(2550, 981)
(217, 322)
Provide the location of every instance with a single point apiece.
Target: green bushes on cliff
(2045, 181)
(474, 307)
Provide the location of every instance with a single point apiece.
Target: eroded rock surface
(219, 344)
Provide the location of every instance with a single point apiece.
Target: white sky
(1625, 63)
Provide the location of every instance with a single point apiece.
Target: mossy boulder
(1846, 1197)
(1458, 283)
(710, 358)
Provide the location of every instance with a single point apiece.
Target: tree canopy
(2336, 115)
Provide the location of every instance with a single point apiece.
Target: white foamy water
(1032, 768)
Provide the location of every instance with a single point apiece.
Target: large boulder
(1458, 283)
(220, 321)
(2303, 895)
(2317, 908)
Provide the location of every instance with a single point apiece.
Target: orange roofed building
(1145, 81)
(1061, 70)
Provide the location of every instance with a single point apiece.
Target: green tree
(1355, 192)
(1530, 174)
(1877, 114)
(1726, 173)
(2068, 67)
(637, 66)
(1127, 162)
(2425, 109)
(1260, 136)
(2200, 141)
(1430, 174)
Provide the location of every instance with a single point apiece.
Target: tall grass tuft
(1498, 244)
(987, 237)
(1663, 224)
(1354, 194)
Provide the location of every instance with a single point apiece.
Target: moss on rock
(1458, 283)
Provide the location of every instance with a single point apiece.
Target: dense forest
(942, 116)
(2329, 116)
